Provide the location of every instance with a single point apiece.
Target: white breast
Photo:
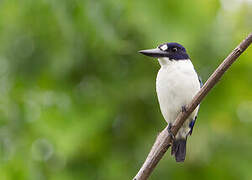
(176, 84)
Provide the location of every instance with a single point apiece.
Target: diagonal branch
(163, 140)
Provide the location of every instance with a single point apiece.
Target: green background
(78, 102)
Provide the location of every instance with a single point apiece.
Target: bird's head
(167, 51)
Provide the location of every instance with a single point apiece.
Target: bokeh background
(78, 102)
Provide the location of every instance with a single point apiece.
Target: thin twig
(163, 140)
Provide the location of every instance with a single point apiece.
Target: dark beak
(154, 53)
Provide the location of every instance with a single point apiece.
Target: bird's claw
(183, 108)
(169, 131)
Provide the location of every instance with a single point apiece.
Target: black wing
(191, 125)
(200, 81)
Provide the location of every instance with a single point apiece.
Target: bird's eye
(174, 49)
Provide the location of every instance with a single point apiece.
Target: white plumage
(176, 84)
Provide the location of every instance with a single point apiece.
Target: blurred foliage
(78, 102)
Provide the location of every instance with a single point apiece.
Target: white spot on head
(164, 47)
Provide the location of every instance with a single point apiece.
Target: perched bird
(176, 84)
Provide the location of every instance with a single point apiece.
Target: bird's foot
(169, 131)
(183, 108)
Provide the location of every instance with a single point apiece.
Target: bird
(177, 82)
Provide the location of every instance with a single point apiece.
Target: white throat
(165, 61)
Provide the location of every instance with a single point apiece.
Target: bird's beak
(154, 53)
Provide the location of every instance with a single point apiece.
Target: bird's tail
(179, 149)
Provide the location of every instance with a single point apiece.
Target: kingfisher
(177, 83)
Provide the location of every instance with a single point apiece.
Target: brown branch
(163, 140)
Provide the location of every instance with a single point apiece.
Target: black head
(173, 51)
